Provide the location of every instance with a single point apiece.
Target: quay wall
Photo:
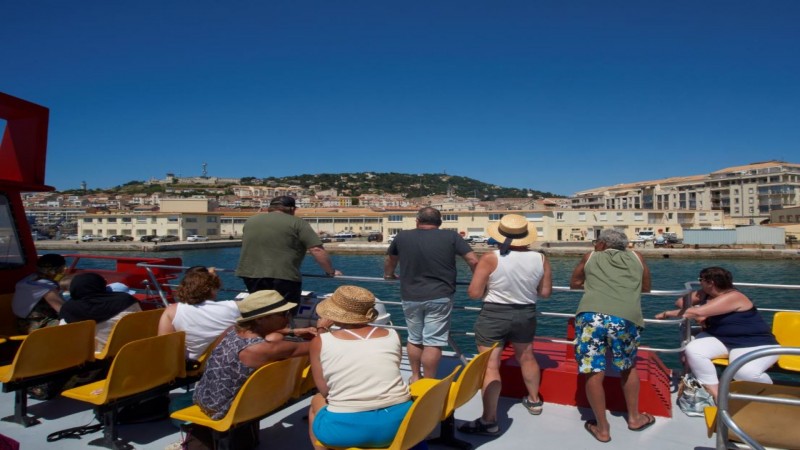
(371, 248)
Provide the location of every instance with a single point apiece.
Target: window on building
(172, 219)
(603, 217)
(534, 217)
(450, 218)
(560, 216)
(190, 220)
(212, 219)
(539, 232)
(87, 220)
(582, 217)
(212, 231)
(494, 217)
(126, 220)
(112, 220)
(638, 217)
(619, 217)
(395, 218)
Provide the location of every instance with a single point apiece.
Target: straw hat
(262, 303)
(513, 226)
(349, 304)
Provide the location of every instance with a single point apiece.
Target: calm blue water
(667, 274)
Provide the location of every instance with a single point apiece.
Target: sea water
(667, 274)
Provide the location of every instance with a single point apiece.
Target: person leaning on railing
(732, 327)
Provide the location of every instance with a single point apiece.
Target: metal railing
(725, 420)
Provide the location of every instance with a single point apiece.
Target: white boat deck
(559, 427)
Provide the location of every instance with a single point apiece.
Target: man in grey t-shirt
(427, 259)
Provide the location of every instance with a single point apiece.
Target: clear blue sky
(558, 96)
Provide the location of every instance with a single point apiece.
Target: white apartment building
(745, 193)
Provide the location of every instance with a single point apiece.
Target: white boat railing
(684, 325)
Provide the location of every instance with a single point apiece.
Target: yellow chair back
(203, 359)
(304, 380)
(145, 364)
(786, 328)
(469, 382)
(424, 415)
(44, 351)
(267, 389)
(138, 325)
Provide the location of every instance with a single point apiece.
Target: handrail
(724, 418)
(686, 331)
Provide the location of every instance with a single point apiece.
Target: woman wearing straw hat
(509, 281)
(244, 349)
(362, 397)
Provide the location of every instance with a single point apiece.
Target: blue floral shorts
(596, 333)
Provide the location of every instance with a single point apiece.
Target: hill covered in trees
(412, 185)
(355, 184)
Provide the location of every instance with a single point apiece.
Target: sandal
(478, 427)
(534, 408)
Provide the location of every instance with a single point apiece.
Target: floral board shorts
(596, 333)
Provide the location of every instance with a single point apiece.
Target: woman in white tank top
(362, 396)
(509, 281)
(197, 312)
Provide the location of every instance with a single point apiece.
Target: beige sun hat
(262, 303)
(349, 304)
(515, 227)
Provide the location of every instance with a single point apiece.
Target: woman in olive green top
(609, 316)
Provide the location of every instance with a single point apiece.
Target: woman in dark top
(732, 327)
(92, 299)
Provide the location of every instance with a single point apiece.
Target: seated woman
(198, 313)
(37, 297)
(243, 349)
(732, 327)
(362, 397)
(90, 299)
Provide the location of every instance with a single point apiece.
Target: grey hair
(614, 238)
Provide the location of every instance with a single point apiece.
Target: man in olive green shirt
(609, 316)
(273, 247)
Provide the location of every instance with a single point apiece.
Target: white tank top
(362, 374)
(516, 278)
(203, 323)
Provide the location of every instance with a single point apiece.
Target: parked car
(71, 237)
(119, 238)
(197, 238)
(344, 235)
(166, 238)
(647, 235)
(92, 237)
(375, 237)
(476, 239)
(148, 237)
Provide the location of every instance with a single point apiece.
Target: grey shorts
(428, 321)
(505, 323)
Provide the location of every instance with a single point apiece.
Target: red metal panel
(23, 148)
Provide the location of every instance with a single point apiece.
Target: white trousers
(705, 347)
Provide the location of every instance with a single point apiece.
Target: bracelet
(331, 273)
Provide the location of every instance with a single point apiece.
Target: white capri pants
(705, 347)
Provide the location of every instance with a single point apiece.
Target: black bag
(202, 438)
(150, 410)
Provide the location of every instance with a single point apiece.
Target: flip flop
(588, 427)
(650, 421)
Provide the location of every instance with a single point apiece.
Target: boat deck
(558, 427)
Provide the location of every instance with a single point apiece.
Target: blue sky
(558, 96)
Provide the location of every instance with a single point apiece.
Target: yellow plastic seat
(786, 328)
(462, 390)
(130, 327)
(43, 357)
(266, 390)
(423, 416)
(771, 425)
(304, 381)
(196, 367)
(143, 369)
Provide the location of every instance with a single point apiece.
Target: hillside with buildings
(764, 192)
